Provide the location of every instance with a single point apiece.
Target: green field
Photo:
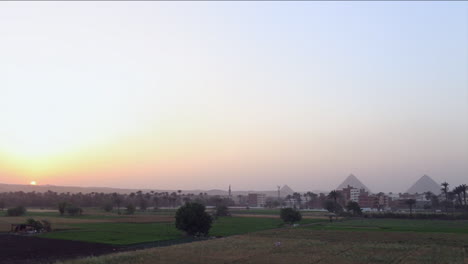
(396, 225)
(132, 233)
(301, 245)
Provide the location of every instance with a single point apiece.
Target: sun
(33, 183)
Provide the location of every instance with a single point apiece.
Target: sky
(200, 95)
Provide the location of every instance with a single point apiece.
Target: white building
(354, 194)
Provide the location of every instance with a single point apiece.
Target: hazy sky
(189, 95)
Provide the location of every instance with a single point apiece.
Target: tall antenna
(279, 187)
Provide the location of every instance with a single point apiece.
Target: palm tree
(334, 195)
(457, 191)
(445, 189)
(463, 189)
(410, 203)
(312, 197)
(117, 200)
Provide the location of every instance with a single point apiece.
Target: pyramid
(285, 190)
(352, 181)
(425, 184)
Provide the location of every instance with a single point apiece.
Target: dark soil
(16, 249)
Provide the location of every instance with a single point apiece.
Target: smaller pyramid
(285, 190)
(352, 181)
(425, 184)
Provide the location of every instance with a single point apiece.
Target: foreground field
(299, 245)
(131, 233)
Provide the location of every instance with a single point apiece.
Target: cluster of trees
(16, 211)
(448, 200)
(193, 219)
(68, 202)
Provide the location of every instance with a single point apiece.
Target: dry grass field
(300, 245)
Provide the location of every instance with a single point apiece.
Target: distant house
(257, 199)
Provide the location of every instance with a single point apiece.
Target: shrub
(222, 210)
(47, 225)
(130, 209)
(290, 215)
(354, 208)
(61, 207)
(37, 225)
(332, 207)
(193, 219)
(16, 211)
(74, 210)
(108, 207)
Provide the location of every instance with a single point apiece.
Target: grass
(303, 246)
(397, 225)
(132, 233)
(227, 226)
(118, 233)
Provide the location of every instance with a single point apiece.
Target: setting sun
(33, 183)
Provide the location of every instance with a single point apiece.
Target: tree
(222, 210)
(445, 189)
(332, 207)
(37, 225)
(410, 203)
(290, 215)
(2, 204)
(107, 207)
(118, 200)
(334, 195)
(74, 210)
(16, 211)
(463, 189)
(61, 207)
(130, 209)
(193, 219)
(354, 208)
(458, 193)
(433, 198)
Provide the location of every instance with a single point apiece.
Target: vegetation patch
(397, 225)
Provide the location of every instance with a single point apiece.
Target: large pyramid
(353, 182)
(425, 184)
(285, 190)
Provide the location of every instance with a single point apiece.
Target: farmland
(303, 245)
(250, 237)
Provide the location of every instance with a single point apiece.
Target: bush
(354, 208)
(222, 210)
(332, 207)
(193, 219)
(108, 207)
(47, 225)
(61, 207)
(37, 225)
(74, 210)
(130, 209)
(290, 215)
(16, 211)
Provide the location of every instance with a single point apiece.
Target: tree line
(107, 201)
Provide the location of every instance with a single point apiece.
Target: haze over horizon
(200, 95)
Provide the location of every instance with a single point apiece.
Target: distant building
(257, 199)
